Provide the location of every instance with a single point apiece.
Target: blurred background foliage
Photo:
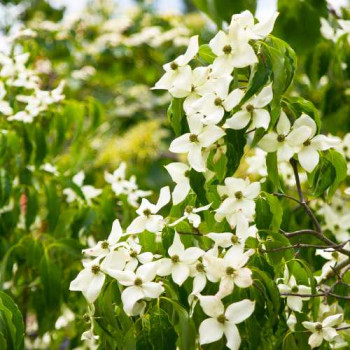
(109, 59)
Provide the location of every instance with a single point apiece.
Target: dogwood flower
(191, 215)
(199, 137)
(177, 75)
(286, 139)
(89, 281)
(5, 107)
(223, 322)
(232, 50)
(322, 330)
(117, 179)
(213, 104)
(308, 154)
(178, 265)
(254, 30)
(238, 201)
(179, 173)
(88, 191)
(290, 285)
(139, 285)
(148, 218)
(253, 110)
(103, 247)
(230, 270)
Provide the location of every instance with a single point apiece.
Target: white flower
(192, 143)
(217, 100)
(139, 285)
(253, 110)
(230, 270)
(104, 247)
(290, 285)
(88, 191)
(148, 218)
(178, 265)
(179, 173)
(89, 281)
(223, 322)
(232, 51)
(322, 330)
(117, 179)
(191, 215)
(238, 202)
(285, 140)
(308, 154)
(5, 107)
(337, 223)
(228, 239)
(199, 76)
(178, 73)
(254, 30)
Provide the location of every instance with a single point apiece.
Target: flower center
(307, 143)
(281, 138)
(189, 209)
(138, 281)
(250, 108)
(295, 289)
(224, 196)
(339, 208)
(318, 327)
(95, 269)
(221, 318)
(234, 239)
(175, 258)
(230, 271)
(345, 148)
(187, 173)
(133, 254)
(239, 195)
(335, 255)
(105, 245)
(193, 138)
(336, 227)
(174, 66)
(200, 267)
(86, 318)
(218, 101)
(147, 212)
(227, 49)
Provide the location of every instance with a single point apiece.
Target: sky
(264, 10)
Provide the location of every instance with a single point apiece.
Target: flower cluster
(225, 233)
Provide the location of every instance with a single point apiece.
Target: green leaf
(184, 327)
(323, 176)
(272, 169)
(197, 182)
(235, 141)
(340, 166)
(40, 145)
(289, 342)
(5, 187)
(11, 324)
(206, 54)
(299, 105)
(269, 212)
(175, 115)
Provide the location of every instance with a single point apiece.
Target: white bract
(290, 285)
(179, 173)
(322, 330)
(286, 140)
(230, 270)
(308, 155)
(253, 110)
(177, 77)
(223, 322)
(191, 215)
(89, 281)
(148, 218)
(139, 285)
(192, 143)
(178, 265)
